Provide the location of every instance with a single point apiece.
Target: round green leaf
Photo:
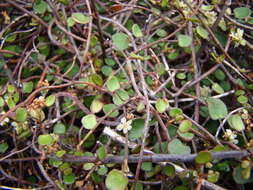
(185, 136)
(80, 18)
(137, 129)
(101, 152)
(102, 170)
(146, 166)
(116, 180)
(40, 7)
(112, 84)
(106, 70)
(202, 32)
(184, 40)
(21, 114)
(242, 99)
(120, 41)
(219, 74)
(217, 88)
(88, 166)
(235, 122)
(69, 179)
(59, 129)
(89, 121)
(122, 94)
(174, 112)
(1, 102)
(96, 106)
(161, 105)
(45, 139)
(203, 157)
(242, 12)
(185, 126)
(108, 107)
(50, 100)
(169, 170)
(136, 31)
(177, 147)
(28, 87)
(60, 153)
(3, 147)
(97, 79)
(216, 108)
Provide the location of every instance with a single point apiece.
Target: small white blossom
(231, 136)
(237, 37)
(5, 121)
(124, 125)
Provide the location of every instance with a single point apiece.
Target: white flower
(5, 121)
(124, 125)
(237, 37)
(231, 136)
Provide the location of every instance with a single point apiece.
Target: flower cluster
(231, 136)
(237, 37)
(124, 125)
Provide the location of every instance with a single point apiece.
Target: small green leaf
(185, 126)
(11, 89)
(242, 99)
(236, 123)
(88, 166)
(117, 100)
(101, 152)
(102, 170)
(71, 22)
(59, 128)
(108, 107)
(40, 7)
(202, 32)
(219, 74)
(217, 109)
(146, 166)
(181, 76)
(112, 84)
(177, 147)
(161, 33)
(137, 129)
(50, 100)
(184, 40)
(89, 121)
(122, 94)
(1, 102)
(3, 147)
(187, 137)
(80, 18)
(212, 176)
(21, 114)
(106, 70)
(203, 157)
(45, 139)
(242, 12)
(69, 179)
(97, 79)
(136, 31)
(120, 41)
(217, 88)
(27, 87)
(116, 180)
(169, 170)
(161, 105)
(96, 105)
(174, 112)
(60, 153)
